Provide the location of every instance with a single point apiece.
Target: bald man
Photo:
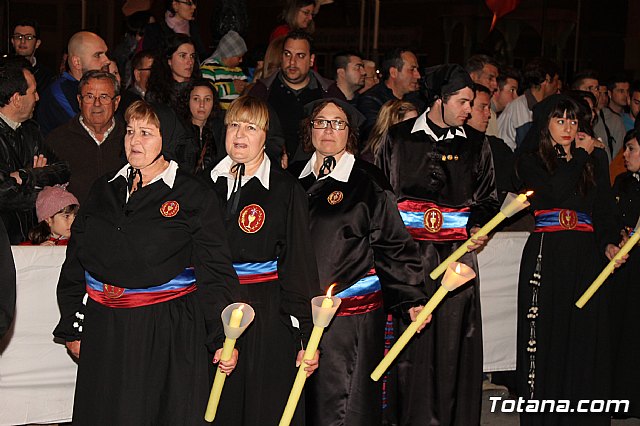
(58, 103)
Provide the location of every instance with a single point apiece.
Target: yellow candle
(301, 375)
(218, 381)
(608, 270)
(508, 210)
(452, 280)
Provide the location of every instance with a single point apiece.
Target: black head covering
(171, 129)
(541, 112)
(443, 80)
(354, 116)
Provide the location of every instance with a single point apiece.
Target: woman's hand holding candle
(312, 364)
(229, 365)
(413, 314)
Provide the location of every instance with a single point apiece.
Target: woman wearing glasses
(179, 18)
(361, 245)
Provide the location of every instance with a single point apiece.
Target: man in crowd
(223, 68)
(433, 167)
(25, 39)
(350, 74)
(618, 89)
(370, 75)
(400, 77)
(292, 87)
(140, 72)
(508, 84)
(25, 167)
(483, 70)
(92, 141)
(87, 51)
(542, 80)
(634, 106)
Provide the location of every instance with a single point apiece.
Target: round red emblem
(170, 209)
(111, 291)
(433, 220)
(568, 219)
(335, 197)
(251, 218)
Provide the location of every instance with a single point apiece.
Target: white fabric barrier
(37, 376)
(499, 264)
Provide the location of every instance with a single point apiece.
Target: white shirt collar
(13, 124)
(93, 135)
(421, 124)
(340, 172)
(224, 166)
(168, 175)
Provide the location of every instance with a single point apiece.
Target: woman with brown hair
(563, 352)
(361, 244)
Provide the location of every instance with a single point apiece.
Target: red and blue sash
(428, 221)
(119, 297)
(362, 297)
(555, 220)
(259, 272)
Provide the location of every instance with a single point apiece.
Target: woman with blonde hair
(393, 112)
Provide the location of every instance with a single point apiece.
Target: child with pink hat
(56, 209)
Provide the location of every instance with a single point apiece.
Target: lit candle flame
(329, 289)
(529, 193)
(240, 307)
(458, 268)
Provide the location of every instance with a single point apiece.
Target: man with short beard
(294, 86)
(87, 52)
(446, 180)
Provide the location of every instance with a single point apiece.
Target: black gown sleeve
(71, 284)
(485, 197)
(215, 275)
(297, 269)
(7, 282)
(396, 257)
(607, 229)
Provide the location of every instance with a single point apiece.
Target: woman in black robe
(362, 246)
(266, 221)
(563, 351)
(148, 247)
(625, 292)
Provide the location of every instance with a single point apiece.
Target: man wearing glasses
(92, 141)
(25, 39)
(86, 52)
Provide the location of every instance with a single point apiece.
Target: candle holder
(235, 320)
(456, 275)
(512, 204)
(323, 309)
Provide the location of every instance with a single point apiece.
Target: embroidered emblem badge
(251, 218)
(433, 220)
(335, 197)
(111, 291)
(568, 219)
(170, 209)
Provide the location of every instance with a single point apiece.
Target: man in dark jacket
(25, 167)
(400, 78)
(294, 86)
(91, 142)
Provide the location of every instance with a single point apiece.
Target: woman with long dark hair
(298, 15)
(563, 352)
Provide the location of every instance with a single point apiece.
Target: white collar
(168, 175)
(340, 172)
(421, 124)
(93, 135)
(224, 166)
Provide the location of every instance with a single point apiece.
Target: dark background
(436, 30)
